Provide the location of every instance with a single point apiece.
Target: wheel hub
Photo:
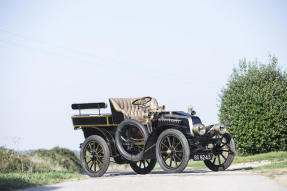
(94, 156)
(217, 149)
(171, 151)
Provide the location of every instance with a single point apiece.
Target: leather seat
(130, 111)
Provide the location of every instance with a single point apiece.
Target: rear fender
(106, 135)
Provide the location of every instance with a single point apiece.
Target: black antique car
(141, 133)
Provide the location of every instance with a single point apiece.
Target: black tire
(227, 147)
(143, 166)
(176, 150)
(95, 153)
(119, 141)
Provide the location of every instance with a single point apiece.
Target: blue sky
(54, 53)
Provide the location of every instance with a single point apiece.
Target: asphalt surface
(196, 180)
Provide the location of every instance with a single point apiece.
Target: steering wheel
(142, 101)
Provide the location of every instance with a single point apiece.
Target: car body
(139, 132)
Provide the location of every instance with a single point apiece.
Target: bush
(11, 161)
(59, 159)
(56, 159)
(255, 102)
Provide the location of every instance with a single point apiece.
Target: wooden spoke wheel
(95, 156)
(223, 153)
(172, 151)
(143, 166)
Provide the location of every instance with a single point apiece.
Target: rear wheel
(172, 151)
(143, 166)
(223, 153)
(95, 156)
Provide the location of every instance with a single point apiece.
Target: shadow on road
(191, 172)
(154, 172)
(238, 169)
(42, 188)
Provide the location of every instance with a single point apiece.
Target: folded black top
(89, 105)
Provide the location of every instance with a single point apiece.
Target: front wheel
(172, 151)
(143, 166)
(223, 153)
(95, 156)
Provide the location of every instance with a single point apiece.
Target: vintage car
(140, 133)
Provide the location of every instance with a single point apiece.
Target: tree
(254, 101)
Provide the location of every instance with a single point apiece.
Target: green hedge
(255, 102)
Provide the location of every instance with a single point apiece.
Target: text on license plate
(202, 157)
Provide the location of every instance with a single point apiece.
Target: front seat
(122, 108)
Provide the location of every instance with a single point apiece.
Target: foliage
(255, 102)
(11, 161)
(60, 158)
(56, 159)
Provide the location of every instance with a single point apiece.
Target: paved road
(189, 180)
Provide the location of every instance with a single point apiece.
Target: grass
(16, 180)
(272, 156)
(278, 165)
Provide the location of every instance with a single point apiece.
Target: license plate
(198, 157)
